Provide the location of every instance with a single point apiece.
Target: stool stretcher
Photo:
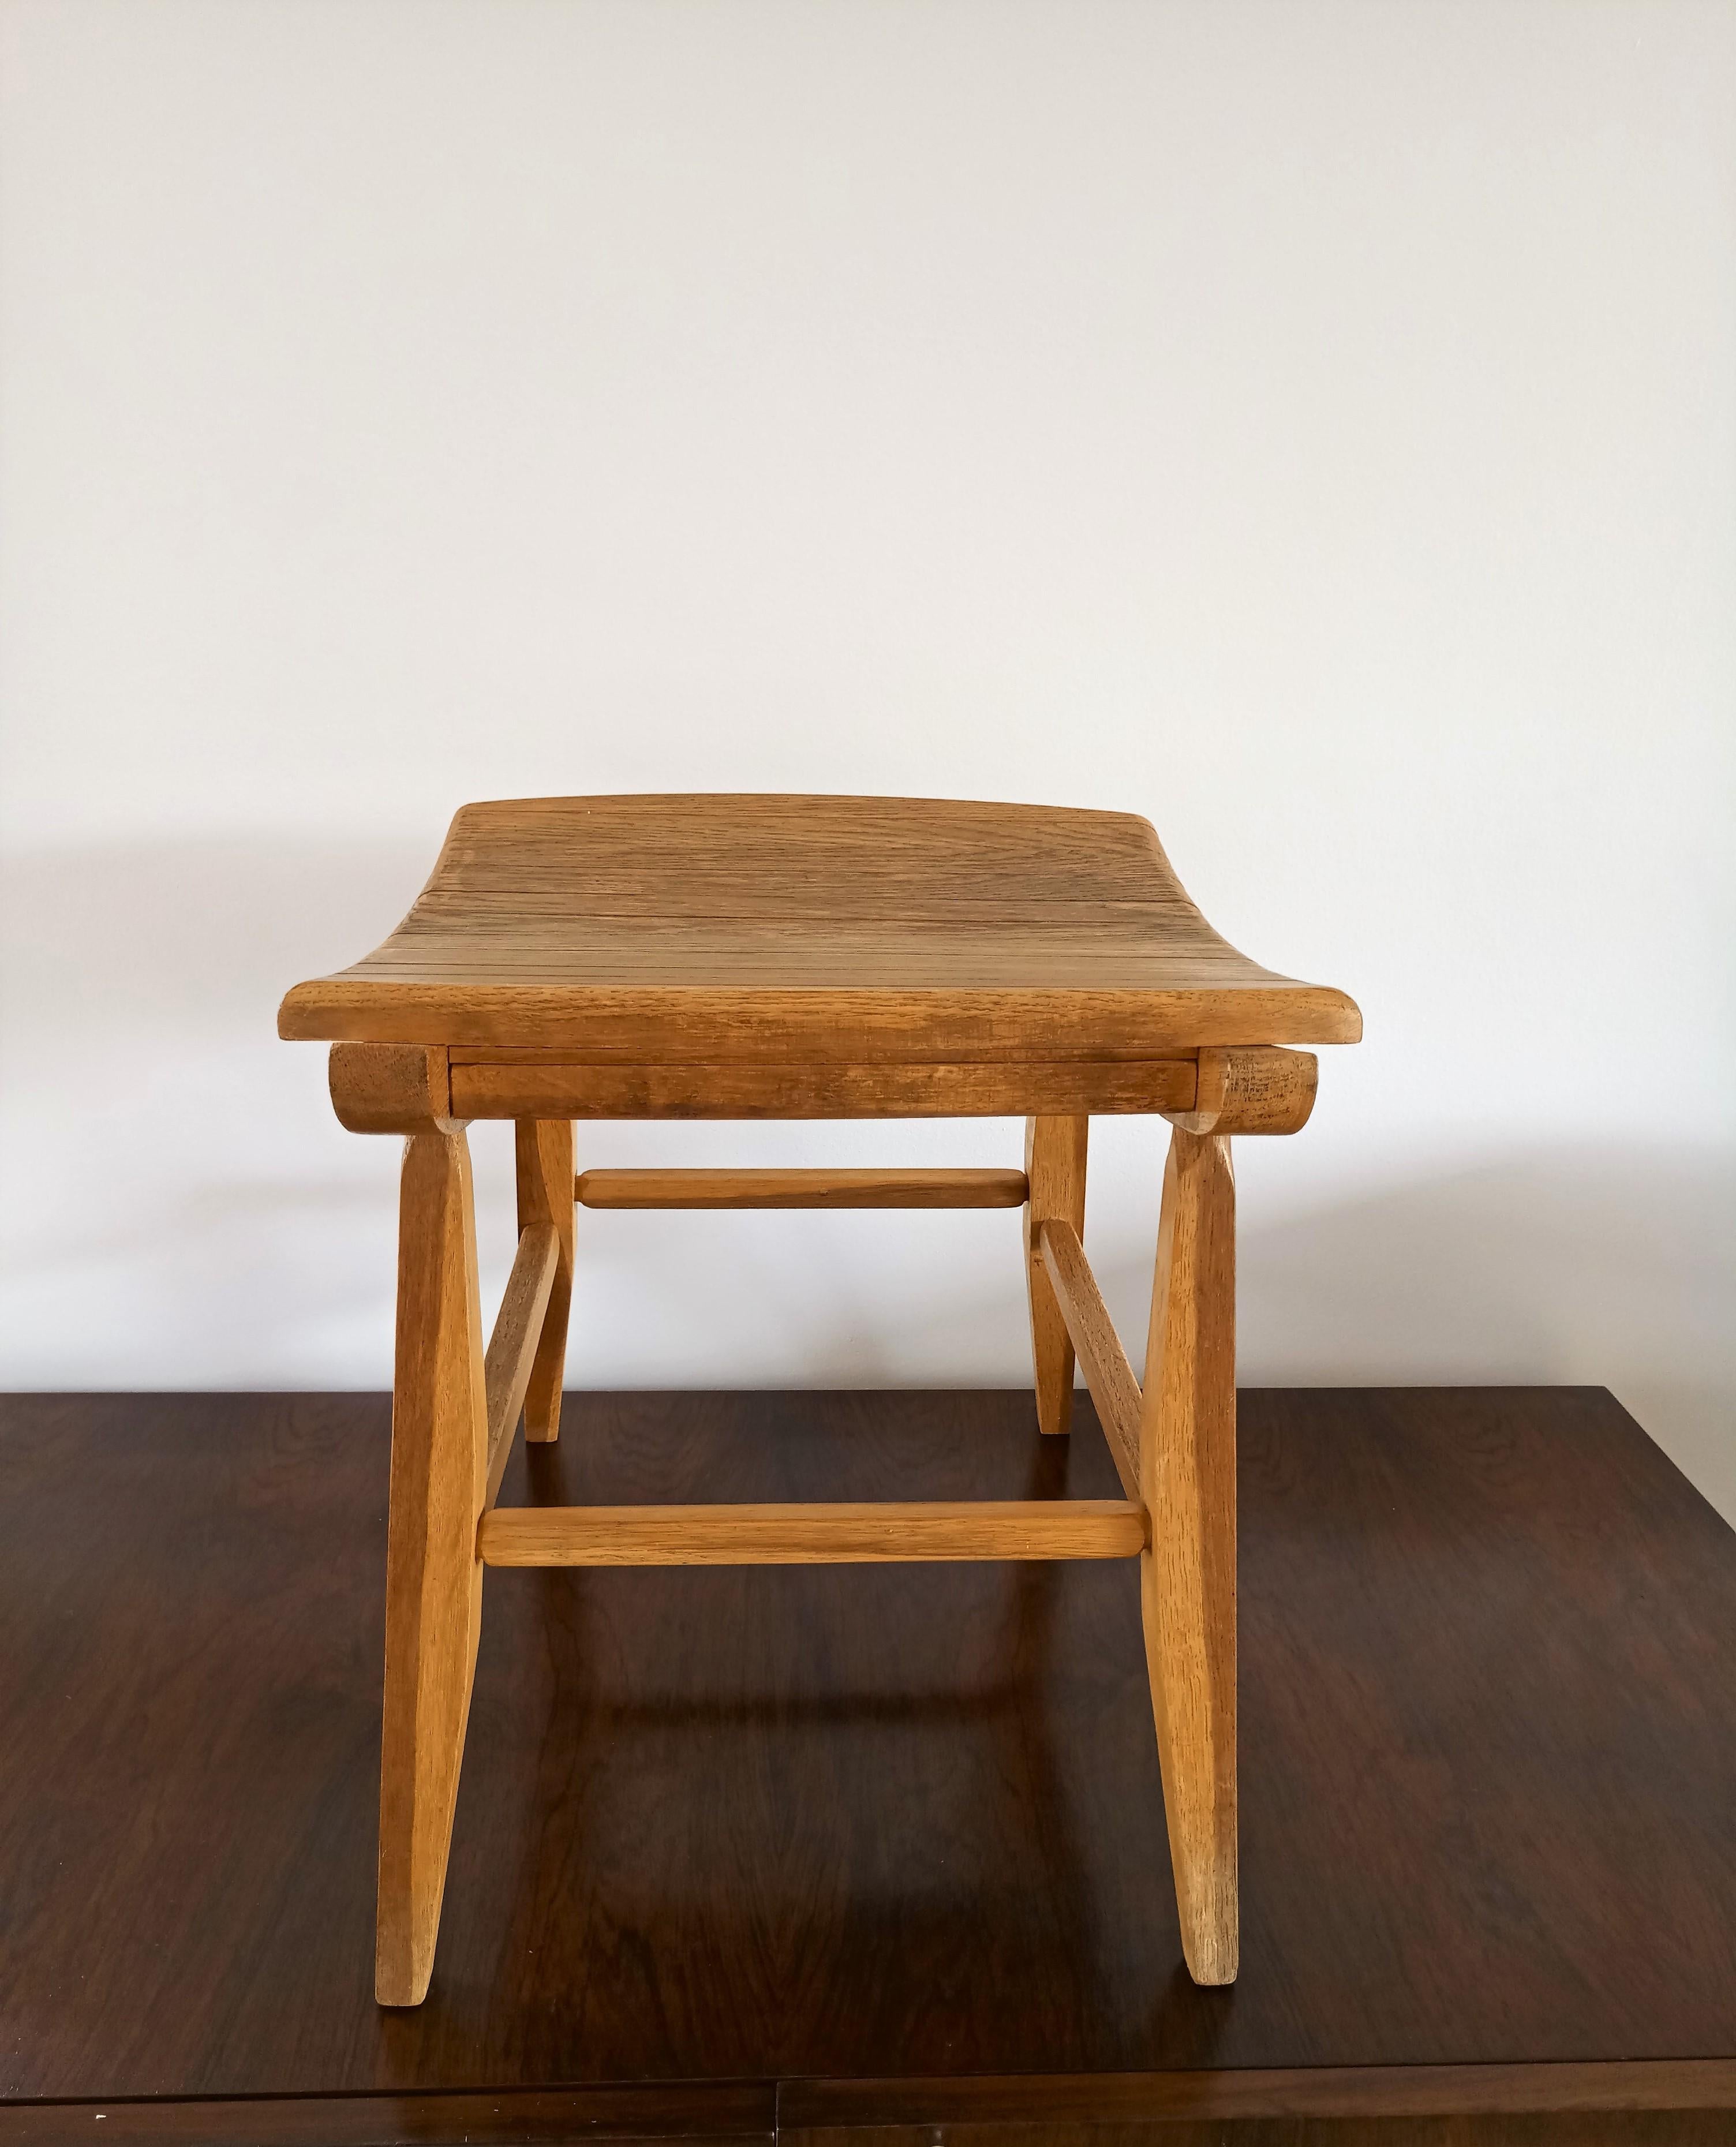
(800, 1189)
(886, 1533)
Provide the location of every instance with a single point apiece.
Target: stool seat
(754, 927)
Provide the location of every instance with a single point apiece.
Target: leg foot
(433, 1576)
(1188, 1578)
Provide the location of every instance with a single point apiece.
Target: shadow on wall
(182, 1212)
(1601, 1263)
(1588, 1264)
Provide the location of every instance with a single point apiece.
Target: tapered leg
(1188, 1578)
(543, 1149)
(433, 1576)
(1055, 1168)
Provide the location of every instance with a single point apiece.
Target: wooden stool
(808, 957)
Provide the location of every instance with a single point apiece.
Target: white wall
(1308, 424)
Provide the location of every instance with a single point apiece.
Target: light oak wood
(885, 1535)
(1258, 1089)
(1188, 1578)
(1055, 1170)
(853, 928)
(647, 957)
(1108, 1372)
(542, 1159)
(434, 1578)
(391, 1088)
(678, 1089)
(800, 1189)
(512, 1346)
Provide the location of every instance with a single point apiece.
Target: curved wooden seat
(574, 958)
(851, 928)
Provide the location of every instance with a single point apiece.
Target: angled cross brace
(1055, 1150)
(513, 1345)
(542, 1164)
(1108, 1376)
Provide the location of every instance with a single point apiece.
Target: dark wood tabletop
(806, 1848)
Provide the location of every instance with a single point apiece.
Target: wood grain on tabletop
(889, 1824)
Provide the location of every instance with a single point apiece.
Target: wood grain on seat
(852, 928)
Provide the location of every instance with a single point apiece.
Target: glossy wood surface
(1489, 1840)
(1614, 2105)
(852, 929)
